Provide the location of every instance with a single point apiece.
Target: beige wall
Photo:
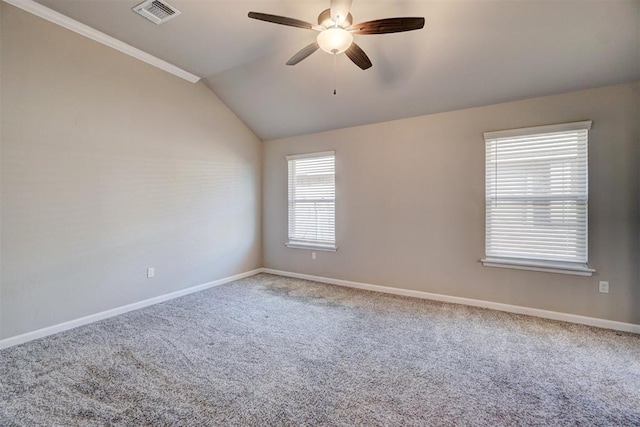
(410, 204)
(110, 166)
(1, 13)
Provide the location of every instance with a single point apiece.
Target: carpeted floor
(268, 350)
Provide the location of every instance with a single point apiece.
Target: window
(536, 198)
(312, 204)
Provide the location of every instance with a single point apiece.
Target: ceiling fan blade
(340, 10)
(357, 55)
(283, 20)
(388, 25)
(304, 52)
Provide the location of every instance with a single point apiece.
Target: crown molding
(93, 34)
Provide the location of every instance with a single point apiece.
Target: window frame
(310, 244)
(550, 266)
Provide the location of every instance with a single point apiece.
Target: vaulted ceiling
(470, 53)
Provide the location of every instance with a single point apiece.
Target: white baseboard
(572, 318)
(546, 314)
(60, 327)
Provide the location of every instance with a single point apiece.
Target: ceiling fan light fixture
(335, 40)
(336, 31)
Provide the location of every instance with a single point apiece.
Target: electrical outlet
(151, 272)
(313, 255)
(604, 287)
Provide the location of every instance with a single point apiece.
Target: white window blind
(312, 200)
(537, 195)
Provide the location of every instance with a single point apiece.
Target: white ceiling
(470, 53)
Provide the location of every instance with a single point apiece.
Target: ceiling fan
(336, 30)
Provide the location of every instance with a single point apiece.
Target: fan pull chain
(334, 73)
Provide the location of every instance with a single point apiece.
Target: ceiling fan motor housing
(325, 20)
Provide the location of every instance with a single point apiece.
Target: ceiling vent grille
(156, 11)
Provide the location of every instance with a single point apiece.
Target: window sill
(311, 246)
(544, 266)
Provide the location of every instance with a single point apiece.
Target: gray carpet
(274, 351)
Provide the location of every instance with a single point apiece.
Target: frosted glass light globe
(335, 40)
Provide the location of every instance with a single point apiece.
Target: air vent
(156, 11)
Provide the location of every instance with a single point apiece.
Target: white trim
(562, 127)
(65, 326)
(311, 155)
(311, 246)
(547, 267)
(89, 32)
(545, 314)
